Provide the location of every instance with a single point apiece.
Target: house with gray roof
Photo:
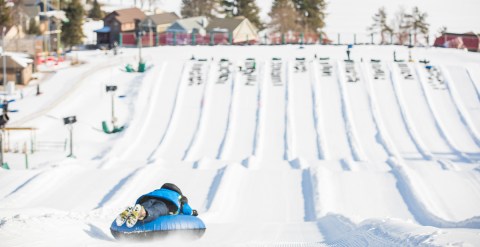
(240, 29)
(193, 25)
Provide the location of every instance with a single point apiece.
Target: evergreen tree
(311, 14)
(5, 14)
(96, 12)
(246, 8)
(380, 24)
(72, 32)
(193, 8)
(229, 7)
(33, 27)
(283, 16)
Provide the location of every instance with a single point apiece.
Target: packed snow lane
(383, 94)
(288, 191)
(337, 190)
(417, 110)
(305, 142)
(216, 111)
(61, 187)
(329, 111)
(441, 198)
(240, 140)
(360, 108)
(446, 114)
(187, 113)
(273, 136)
(465, 97)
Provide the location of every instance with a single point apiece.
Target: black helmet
(172, 187)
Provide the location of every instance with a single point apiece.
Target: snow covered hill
(273, 145)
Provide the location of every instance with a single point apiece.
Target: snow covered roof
(15, 60)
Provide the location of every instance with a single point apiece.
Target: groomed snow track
(272, 150)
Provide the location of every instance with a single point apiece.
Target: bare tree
(419, 24)
(380, 25)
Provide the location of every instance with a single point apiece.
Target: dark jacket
(176, 203)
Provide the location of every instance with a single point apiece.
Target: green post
(321, 39)
(265, 39)
(120, 41)
(26, 155)
(283, 39)
(157, 39)
(32, 150)
(194, 41)
(302, 36)
(230, 38)
(174, 38)
(211, 39)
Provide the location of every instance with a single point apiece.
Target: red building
(469, 41)
(119, 21)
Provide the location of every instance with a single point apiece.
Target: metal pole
(26, 155)
(4, 82)
(140, 47)
(113, 110)
(70, 128)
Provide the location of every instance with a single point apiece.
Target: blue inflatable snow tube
(183, 226)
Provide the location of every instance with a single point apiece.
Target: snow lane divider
(465, 117)
(232, 107)
(357, 152)
(205, 102)
(318, 119)
(440, 127)
(174, 112)
(412, 131)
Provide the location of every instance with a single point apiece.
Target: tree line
(404, 26)
(286, 15)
